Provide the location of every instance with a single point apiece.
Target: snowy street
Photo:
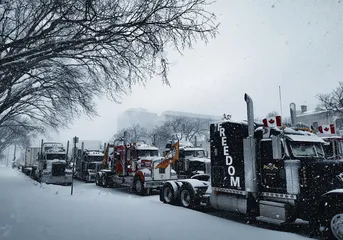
(31, 211)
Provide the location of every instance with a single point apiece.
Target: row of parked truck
(267, 172)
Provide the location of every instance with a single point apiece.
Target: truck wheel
(168, 194)
(97, 180)
(334, 224)
(103, 180)
(139, 187)
(187, 196)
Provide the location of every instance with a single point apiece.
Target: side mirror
(277, 149)
(133, 165)
(207, 154)
(186, 162)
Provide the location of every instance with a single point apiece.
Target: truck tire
(167, 194)
(103, 180)
(97, 180)
(334, 219)
(187, 196)
(139, 186)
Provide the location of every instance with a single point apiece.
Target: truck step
(270, 220)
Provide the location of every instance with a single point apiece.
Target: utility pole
(126, 136)
(75, 140)
(8, 156)
(14, 153)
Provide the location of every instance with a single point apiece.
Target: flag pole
(280, 101)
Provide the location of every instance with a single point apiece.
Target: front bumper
(57, 179)
(154, 184)
(91, 177)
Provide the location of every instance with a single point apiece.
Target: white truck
(192, 160)
(52, 164)
(28, 160)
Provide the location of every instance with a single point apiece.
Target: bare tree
(57, 55)
(136, 132)
(15, 134)
(187, 128)
(333, 101)
(160, 135)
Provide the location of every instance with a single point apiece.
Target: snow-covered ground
(33, 211)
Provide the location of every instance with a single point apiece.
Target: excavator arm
(170, 160)
(106, 154)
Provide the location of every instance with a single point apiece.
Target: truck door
(160, 174)
(273, 177)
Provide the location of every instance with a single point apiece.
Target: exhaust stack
(250, 113)
(293, 112)
(249, 150)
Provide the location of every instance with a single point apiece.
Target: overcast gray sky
(295, 44)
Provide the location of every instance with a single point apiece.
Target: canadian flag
(272, 121)
(327, 129)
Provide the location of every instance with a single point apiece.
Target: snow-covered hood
(56, 161)
(153, 159)
(198, 159)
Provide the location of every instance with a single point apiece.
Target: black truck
(270, 174)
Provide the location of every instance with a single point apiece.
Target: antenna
(280, 101)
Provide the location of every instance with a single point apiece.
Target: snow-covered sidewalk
(33, 211)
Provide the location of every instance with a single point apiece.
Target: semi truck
(333, 146)
(28, 160)
(89, 162)
(191, 161)
(52, 164)
(132, 165)
(267, 173)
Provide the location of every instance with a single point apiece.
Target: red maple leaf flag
(327, 129)
(272, 121)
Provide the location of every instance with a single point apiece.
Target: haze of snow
(34, 211)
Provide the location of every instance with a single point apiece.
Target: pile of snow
(29, 210)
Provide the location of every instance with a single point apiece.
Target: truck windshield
(328, 148)
(147, 153)
(306, 149)
(194, 153)
(55, 156)
(95, 158)
(196, 166)
(91, 166)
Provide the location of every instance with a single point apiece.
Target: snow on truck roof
(304, 138)
(145, 147)
(197, 159)
(94, 153)
(192, 149)
(244, 122)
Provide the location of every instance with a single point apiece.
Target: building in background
(139, 116)
(149, 120)
(319, 116)
(168, 115)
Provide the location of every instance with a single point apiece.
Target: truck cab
(133, 165)
(89, 164)
(191, 160)
(52, 164)
(333, 147)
